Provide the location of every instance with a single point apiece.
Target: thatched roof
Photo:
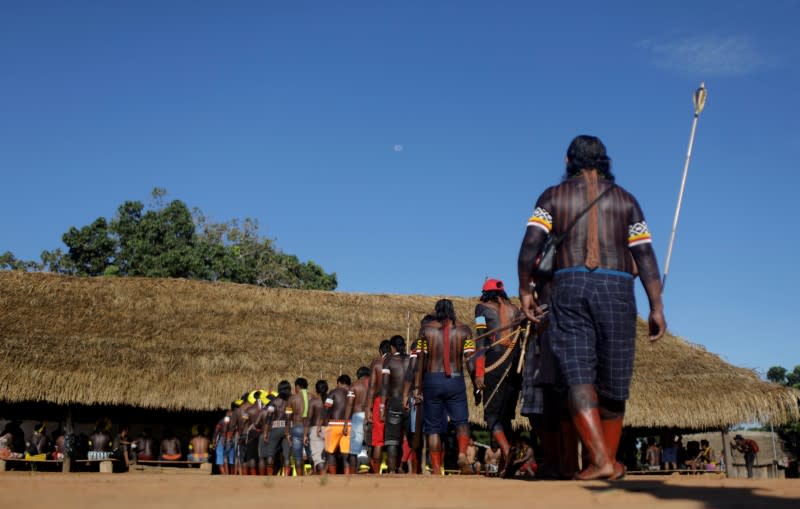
(177, 344)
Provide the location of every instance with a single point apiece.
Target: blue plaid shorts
(593, 329)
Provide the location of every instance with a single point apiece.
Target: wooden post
(726, 448)
(68, 430)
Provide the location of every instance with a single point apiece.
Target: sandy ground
(129, 491)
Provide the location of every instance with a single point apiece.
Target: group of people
(568, 349)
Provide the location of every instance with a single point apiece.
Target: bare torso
(433, 333)
(100, 441)
(199, 445)
(170, 446)
(360, 389)
(337, 404)
(396, 364)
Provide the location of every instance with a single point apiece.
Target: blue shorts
(593, 330)
(443, 397)
(229, 451)
(219, 452)
(298, 436)
(356, 432)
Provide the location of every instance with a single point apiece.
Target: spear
(699, 100)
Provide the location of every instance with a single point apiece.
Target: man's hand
(383, 412)
(479, 383)
(657, 324)
(368, 416)
(344, 431)
(530, 307)
(306, 440)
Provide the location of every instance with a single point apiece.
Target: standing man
(315, 432)
(593, 320)
(340, 406)
(748, 448)
(300, 405)
(276, 430)
(394, 409)
(359, 388)
(373, 406)
(496, 371)
(444, 345)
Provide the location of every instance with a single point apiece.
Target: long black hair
(284, 389)
(444, 310)
(494, 296)
(322, 388)
(585, 153)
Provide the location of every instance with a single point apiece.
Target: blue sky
(403, 145)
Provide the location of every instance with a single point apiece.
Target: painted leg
(586, 416)
(435, 448)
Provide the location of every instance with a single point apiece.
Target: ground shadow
(714, 497)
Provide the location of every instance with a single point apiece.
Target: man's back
(620, 223)
(433, 332)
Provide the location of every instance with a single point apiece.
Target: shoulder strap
(563, 234)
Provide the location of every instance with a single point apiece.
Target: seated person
(100, 441)
(472, 457)
(492, 459)
(143, 447)
(170, 449)
(198, 446)
(705, 459)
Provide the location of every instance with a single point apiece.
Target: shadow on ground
(714, 497)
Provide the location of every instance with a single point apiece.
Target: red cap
(492, 285)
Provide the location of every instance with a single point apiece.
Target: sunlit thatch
(177, 344)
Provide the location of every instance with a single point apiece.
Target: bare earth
(140, 491)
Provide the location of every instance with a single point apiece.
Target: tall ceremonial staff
(699, 100)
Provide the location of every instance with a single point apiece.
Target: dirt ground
(138, 491)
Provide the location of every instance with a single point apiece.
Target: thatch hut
(178, 345)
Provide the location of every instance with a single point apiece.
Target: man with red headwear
(495, 366)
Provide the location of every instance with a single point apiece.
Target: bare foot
(593, 472)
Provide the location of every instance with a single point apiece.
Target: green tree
(789, 433)
(91, 248)
(167, 239)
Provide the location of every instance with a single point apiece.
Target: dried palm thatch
(189, 345)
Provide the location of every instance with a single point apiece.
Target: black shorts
(276, 440)
(396, 424)
(503, 405)
(593, 330)
(251, 446)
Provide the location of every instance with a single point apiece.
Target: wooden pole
(726, 448)
(68, 439)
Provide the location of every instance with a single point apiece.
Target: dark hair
(322, 388)
(588, 152)
(651, 440)
(444, 310)
(362, 372)
(704, 441)
(385, 347)
(398, 343)
(343, 379)
(284, 389)
(301, 382)
(494, 296)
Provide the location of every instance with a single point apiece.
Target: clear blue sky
(403, 144)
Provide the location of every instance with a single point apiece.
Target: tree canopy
(170, 240)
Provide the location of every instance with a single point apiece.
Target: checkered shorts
(593, 330)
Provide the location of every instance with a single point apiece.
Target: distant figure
(653, 454)
(492, 459)
(299, 421)
(219, 443)
(198, 446)
(315, 432)
(472, 457)
(276, 430)
(524, 465)
(15, 439)
(373, 412)
(359, 415)
(170, 449)
(749, 448)
(58, 445)
(39, 442)
(144, 447)
(669, 452)
(394, 410)
(7, 443)
(100, 441)
(122, 445)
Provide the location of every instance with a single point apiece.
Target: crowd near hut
(151, 351)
